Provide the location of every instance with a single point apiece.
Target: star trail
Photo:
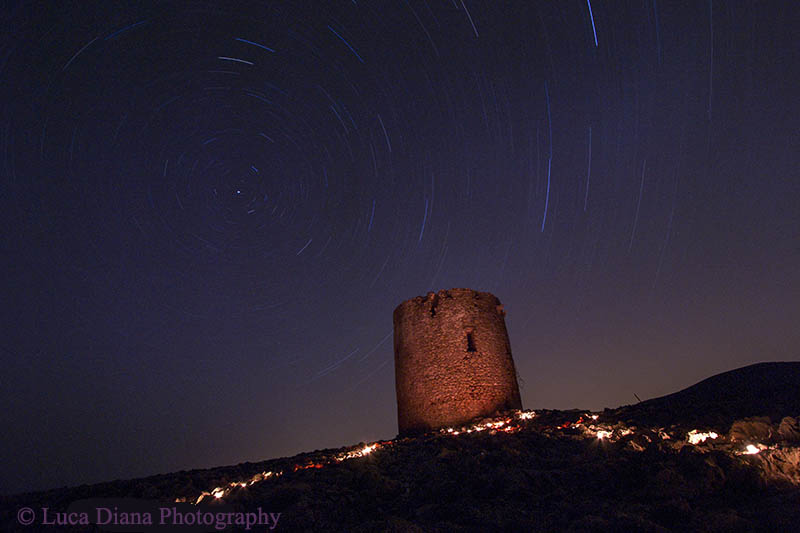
(210, 211)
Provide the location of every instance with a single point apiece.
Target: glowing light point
(695, 437)
(368, 449)
(750, 450)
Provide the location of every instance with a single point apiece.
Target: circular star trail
(211, 209)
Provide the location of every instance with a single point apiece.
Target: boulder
(789, 429)
(755, 429)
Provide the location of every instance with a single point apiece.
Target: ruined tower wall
(452, 360)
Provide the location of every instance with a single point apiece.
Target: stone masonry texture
(452, 360)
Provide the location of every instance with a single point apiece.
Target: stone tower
(452, 360)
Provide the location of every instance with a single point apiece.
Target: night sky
(211, 209)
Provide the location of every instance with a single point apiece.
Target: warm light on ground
(586, 425)
(750, 449)
(695, 437)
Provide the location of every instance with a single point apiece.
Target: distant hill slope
(520, 471)
(762, 389)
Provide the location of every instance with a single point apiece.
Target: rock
(635, 446)
(727, 521)
(789, 429)
(755, 429)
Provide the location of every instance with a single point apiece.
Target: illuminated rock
(753, 429)
(789, 429)
(452, 360)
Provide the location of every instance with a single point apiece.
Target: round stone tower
(452, 360)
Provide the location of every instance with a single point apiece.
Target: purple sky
(209, 213)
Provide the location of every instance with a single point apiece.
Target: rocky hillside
(684, 462)
(763, 389)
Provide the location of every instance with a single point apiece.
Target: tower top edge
(454, 293)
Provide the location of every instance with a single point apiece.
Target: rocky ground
(690, 465)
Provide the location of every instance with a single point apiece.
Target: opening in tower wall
(470, 342)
